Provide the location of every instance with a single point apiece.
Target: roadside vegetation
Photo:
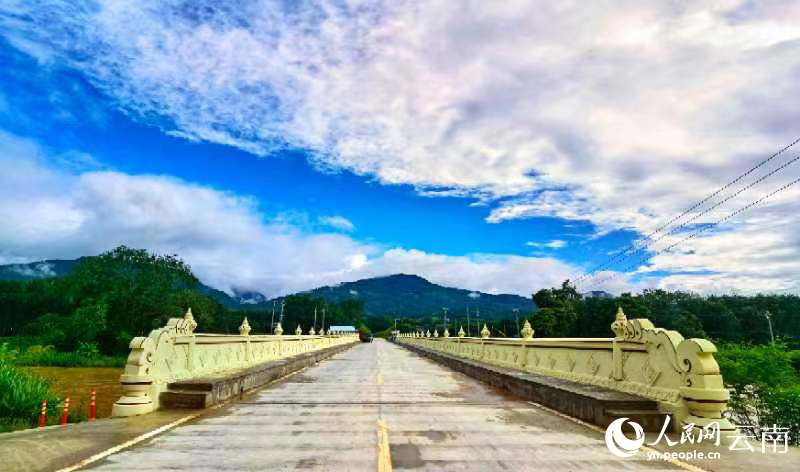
(765, 386)
(32, 352)
(21, 395)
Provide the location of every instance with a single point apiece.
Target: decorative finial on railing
(311, 331)
(428, 333)
(244, 328)
(618, 326)
(485, 333)
(446, 333)
(527, 330)
(322, 331)
(461, 332)
(278, 329)
(189, 322)
(298, 331)
(435, 333)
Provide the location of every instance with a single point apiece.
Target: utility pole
(314, 326)
(272, 321)
(444, 308)
(516, 316)
(283, 304)
(768, 316)
(467, 320)
(323, 319)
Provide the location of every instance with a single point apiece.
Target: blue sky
(278, 149)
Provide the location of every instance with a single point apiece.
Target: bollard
(66, 411)
(43, 416)
(91, 405)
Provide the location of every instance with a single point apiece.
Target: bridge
(427, 401)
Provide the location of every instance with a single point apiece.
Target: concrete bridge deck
(377, 407)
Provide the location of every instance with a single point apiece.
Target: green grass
(50, 358)
(21, 395)
(23, 351)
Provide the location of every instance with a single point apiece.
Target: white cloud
(616, 113)
(49, 212)
(554, 244)
(337, 222)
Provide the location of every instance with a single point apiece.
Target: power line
(701, 230)
(713, 207)
(692, 208)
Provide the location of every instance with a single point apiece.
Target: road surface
(380, 407)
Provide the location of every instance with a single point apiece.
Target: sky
(494, 146)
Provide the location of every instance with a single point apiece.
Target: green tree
(557, 312)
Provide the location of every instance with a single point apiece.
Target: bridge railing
(680, 374)
(175, 352)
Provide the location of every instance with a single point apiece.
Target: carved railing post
(618, 327)
(485, 332)
(527, 331)
(244, 328)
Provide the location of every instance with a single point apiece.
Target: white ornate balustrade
(680, 374)
(175, 352)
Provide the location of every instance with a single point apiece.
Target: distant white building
(341, 329)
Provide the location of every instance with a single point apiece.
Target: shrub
(781, 407)
(21, 395)
(764, 366)
(765, 386)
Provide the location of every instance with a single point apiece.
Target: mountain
(413, 296)
(399, 294)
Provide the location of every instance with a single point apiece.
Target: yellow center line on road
(384, 452)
